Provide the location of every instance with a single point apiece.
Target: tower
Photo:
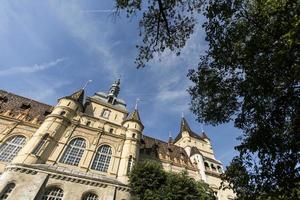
(40, 146)
(195, 146)
(131, 147)
(114, 92)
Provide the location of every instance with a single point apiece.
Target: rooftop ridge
(30, 99)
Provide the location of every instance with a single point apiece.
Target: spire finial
(202, 130)
(115, 88)
(136, 103)
(170, 138)
(182, 114)
(89, 81)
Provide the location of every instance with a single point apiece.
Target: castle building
(84, 147)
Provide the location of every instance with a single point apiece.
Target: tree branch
(162, 12)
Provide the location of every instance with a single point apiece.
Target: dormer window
(105, 113)
(3, 99)
(220, 169)
(110, 100)
(46, 113)
(111, 130)
(25, 106)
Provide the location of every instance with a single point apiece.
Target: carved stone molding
(85, 180)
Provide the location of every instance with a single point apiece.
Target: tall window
(74, 151)
(206, 166)
(105, 113)
(10, 148)
(53, 193)
(7, 190)
(213, 167)
(40, 145)
(90, 196)
(102, 158)
(130, 163)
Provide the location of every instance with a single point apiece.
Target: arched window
(10, 148)
(130, 163)
(88, 123)
(90, 196)
(53, 193)
(7, 190)
(220, 169)
(206, 166)
(62, 113)
(102, 158)
(74, 151)
(213, 167)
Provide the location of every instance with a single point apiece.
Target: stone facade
(84, 147)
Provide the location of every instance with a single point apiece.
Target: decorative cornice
(106, 104)
(211, 173)
(81, 178)
(20, 122)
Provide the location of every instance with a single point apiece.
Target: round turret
(69, 105)
(133, 125)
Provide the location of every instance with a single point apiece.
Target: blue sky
(51, 48)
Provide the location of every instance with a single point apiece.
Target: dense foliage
(250, 74)
(150, 182)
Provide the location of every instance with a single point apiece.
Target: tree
(149, 181)
(250, 74)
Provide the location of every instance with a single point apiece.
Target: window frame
(104, 164)
(10, 148)
(105, 111)
(73, 153)
(58, 196)
(88, 196)
(7, 190)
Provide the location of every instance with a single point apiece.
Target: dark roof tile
(153, 147)
(18, 104)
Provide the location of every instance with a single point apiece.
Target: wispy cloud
(88, 31)
(169, 95)
(30, 69)
(99, 11)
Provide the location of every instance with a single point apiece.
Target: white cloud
(47, 92)
(80, 25)
(30, 69)
(99, 11)
(168, 95)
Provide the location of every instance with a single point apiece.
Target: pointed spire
(170, 138)
(134, 116)
(204, 136)
(77, 96)
(202, 130)
(89, 81)
(115, 89)
(184, 126)
(136, 103)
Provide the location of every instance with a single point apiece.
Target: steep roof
(184, 126)
(134, 116)
(17, 104)
(77, 96)
(165, 152)
(194, 151)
